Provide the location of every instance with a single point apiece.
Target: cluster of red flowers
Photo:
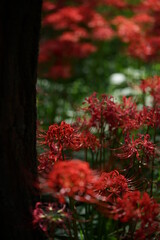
(104, 111)
(100, 113)
(75, 26)
(64, 137)
(141, 31)
(131, 133)
(78, 26)
(74, 178)
(133, 206)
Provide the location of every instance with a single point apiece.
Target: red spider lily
(128, 115)
(48, 6)
(136, 147)
(151, 4)
(149, 209)
(63, 18)
(111, 185)
(88, 140)
(79, 24)
(127, 208)
(141, 31)
(143, 18)
(105, 111)
(153, 86)
(127, 28)
(102, 33)
(76, 25)
(72, 178)
(96, 21)
(47, 159)
(62, 135)
(150, 84)
(145, 48)
(64, 47)
(75, 35)
(134, 207)
(47, 215)
(149, 231)
(150, 117)
(60, 71)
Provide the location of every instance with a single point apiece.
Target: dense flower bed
(116, 181)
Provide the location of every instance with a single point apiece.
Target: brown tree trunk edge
(19, 37)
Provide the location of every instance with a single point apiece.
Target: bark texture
(19, 36)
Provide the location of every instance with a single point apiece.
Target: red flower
(47, 215)
(48, 6)
(134, 207)
(61, 134)
(126, 208)
(72, 178)
(150, 117)
(63, 18)
(111, 185)
(74, 36)
(136, 147)
(104, 111)
(88, 140)
(60, 71)
(103, 33)
(127, 29)
(47, 159)
(151, 4)
(152, 85)
(128, 115)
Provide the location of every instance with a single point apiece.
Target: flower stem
(153, 162)
(75, 229)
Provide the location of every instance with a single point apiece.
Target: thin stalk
(97, 157)
(104, 153)
(153, 162)
(86, 155)
(132, 229)
(101, 140)
(75, 229)
(100, 227)
(69, 229)
(92, 158)
(62, 153)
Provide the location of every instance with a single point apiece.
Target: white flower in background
(117, 78)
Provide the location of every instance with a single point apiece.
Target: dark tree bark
(19, 36)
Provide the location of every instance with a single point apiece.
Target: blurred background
(86, 46)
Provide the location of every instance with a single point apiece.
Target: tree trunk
(19, 36)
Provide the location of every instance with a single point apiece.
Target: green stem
(62, 154)
(101, 139)
(104, 153)
(86, 154)
(75, 229)
(153, 162)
